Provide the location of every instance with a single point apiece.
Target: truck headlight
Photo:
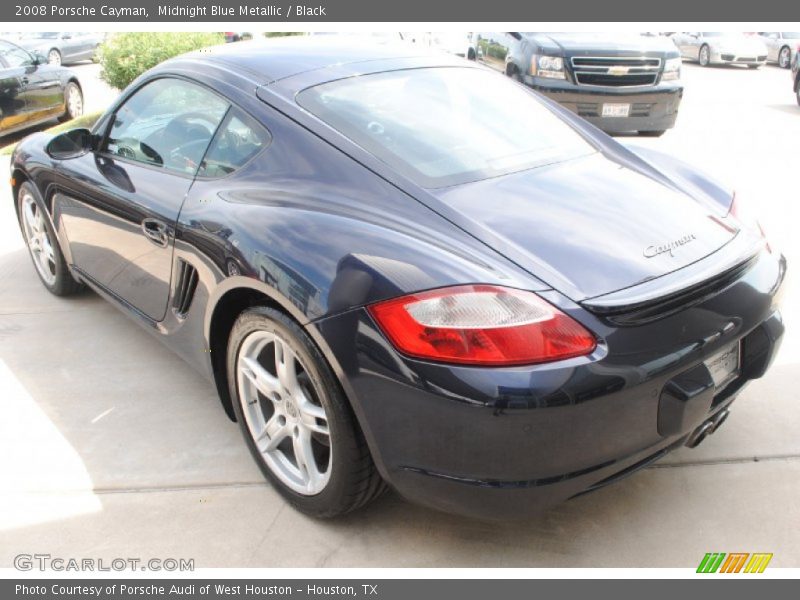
(547, 66)
(672, 69)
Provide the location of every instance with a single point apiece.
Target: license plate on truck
(724, 366)
(616, 110)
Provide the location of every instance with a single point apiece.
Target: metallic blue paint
(318, 227)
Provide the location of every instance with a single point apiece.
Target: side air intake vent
(185, 287)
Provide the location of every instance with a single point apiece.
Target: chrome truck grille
(621, 71)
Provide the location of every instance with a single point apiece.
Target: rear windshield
(445, 126)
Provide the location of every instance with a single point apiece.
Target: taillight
(481, 325)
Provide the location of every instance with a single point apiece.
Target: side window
(239, 139)
(15, 56)
(167, 123)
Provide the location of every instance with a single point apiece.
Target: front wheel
(73, 102)
(294, 417)
(704, 58)
(785, 57)
(54, 57)
(43, 244)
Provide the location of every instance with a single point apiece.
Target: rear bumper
(653, 108)
(510, 442)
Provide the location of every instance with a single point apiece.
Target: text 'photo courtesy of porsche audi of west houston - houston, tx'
(407, 270)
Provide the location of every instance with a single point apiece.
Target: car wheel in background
(704, 57)
(43, 244)
(654, 133)
(54, 57)
(753, 66)
(73, 102)
(295, 419)
(784, 57)
(797, 95)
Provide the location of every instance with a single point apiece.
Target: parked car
(721, 48)
(237, 36)
(62, 48)
(796, 75)
(781, 46)
(458, 43)
(619, 83)
(443, 282)
(33, 92)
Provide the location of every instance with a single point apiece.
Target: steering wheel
(182, 127)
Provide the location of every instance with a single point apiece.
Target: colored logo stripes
(735, 562)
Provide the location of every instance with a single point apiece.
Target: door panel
(13, 109)
(16, 106)
(118, 206)
(44, 93)
(102, 210)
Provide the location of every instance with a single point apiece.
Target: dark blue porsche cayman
(407, 270)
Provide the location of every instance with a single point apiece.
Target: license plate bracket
(725, 365)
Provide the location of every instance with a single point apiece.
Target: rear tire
(73, 102)
(295, 419)
(704, 56)
(51, 267)
(785, 57)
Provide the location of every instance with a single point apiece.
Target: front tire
(51, 267)
(295, 419)
(54, 57)
(784, 57)
(704, 57)
(73, 102)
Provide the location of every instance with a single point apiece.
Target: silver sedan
(710, 48)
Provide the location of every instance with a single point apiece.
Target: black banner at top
(280, 12)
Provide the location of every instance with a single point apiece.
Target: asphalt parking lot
(112, 447)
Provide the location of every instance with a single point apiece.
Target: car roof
(270, 60)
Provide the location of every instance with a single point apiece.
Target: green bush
(493, 49)
(125, 56)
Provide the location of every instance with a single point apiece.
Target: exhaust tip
(707, 428)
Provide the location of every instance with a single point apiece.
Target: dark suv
(620, 83)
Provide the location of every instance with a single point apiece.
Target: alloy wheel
(704, 56)
(784, 57)
(54, 57)
(283, 413)
(74, 101)
(38, 239)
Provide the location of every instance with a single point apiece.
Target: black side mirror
(71, 144)
(37, 58)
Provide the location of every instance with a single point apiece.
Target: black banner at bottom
(710, 586)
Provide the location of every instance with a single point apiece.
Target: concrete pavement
(111, 446)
